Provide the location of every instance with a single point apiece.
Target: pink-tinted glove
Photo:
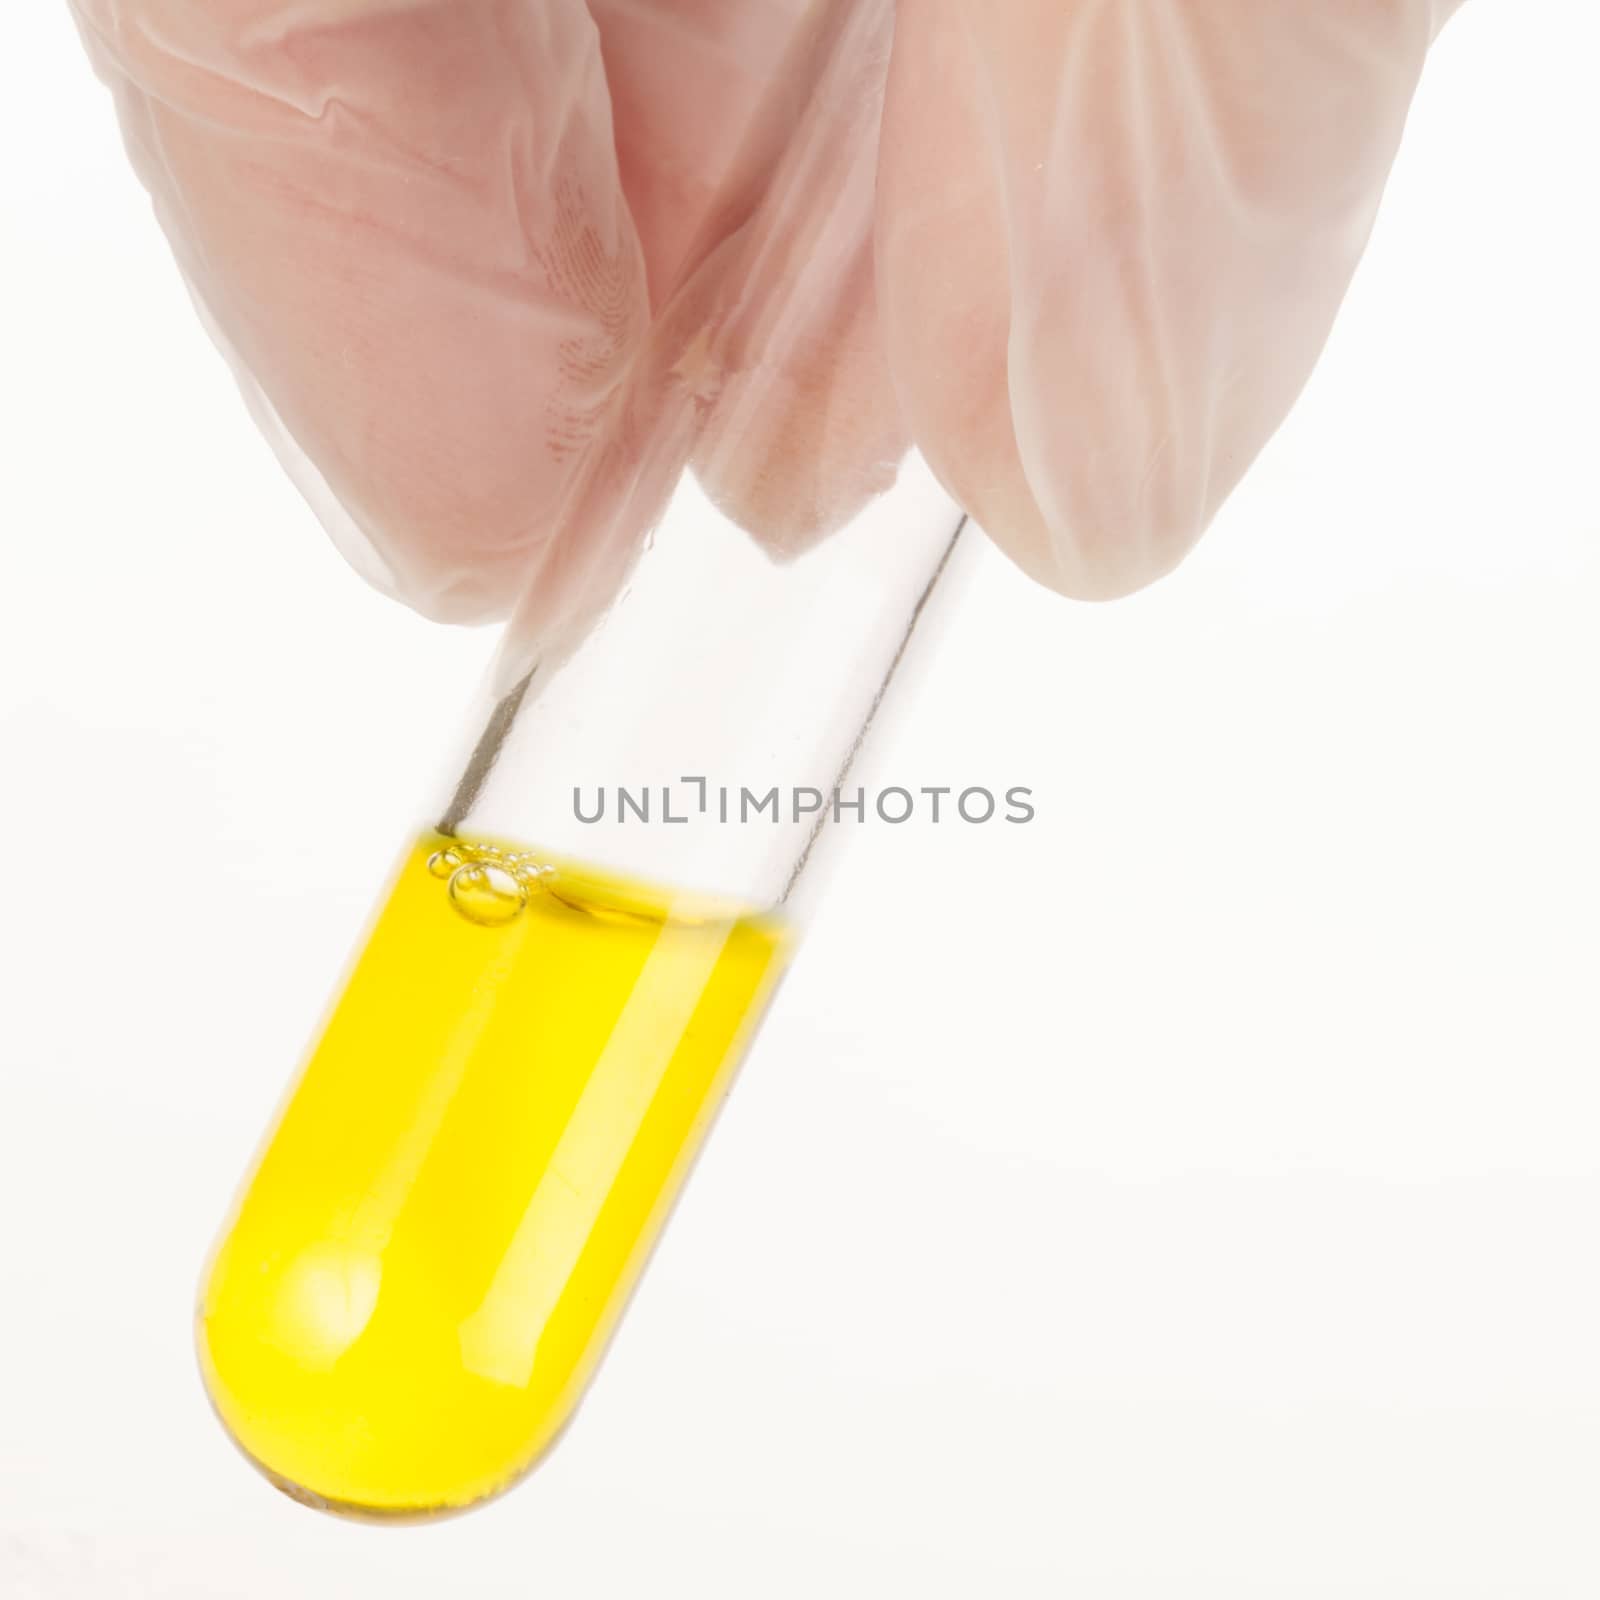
(492, 271)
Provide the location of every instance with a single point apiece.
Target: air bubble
(443, 862)
(486, 894)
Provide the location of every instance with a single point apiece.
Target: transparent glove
(491, 272)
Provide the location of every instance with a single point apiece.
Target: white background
(1192, 1194)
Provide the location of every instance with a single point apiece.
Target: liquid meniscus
(423, 1269)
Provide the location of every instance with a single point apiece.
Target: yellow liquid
(424, 1267)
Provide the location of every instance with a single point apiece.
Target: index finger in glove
(404, 220)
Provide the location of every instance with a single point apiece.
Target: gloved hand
(491, 272)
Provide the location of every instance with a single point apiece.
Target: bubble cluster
(488, 883)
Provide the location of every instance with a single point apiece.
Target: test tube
(424, 1267)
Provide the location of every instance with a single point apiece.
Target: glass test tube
(423, 1268)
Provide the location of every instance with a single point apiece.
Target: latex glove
(492, 271)
(1112, 238)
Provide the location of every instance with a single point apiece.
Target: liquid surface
(425, 1266)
